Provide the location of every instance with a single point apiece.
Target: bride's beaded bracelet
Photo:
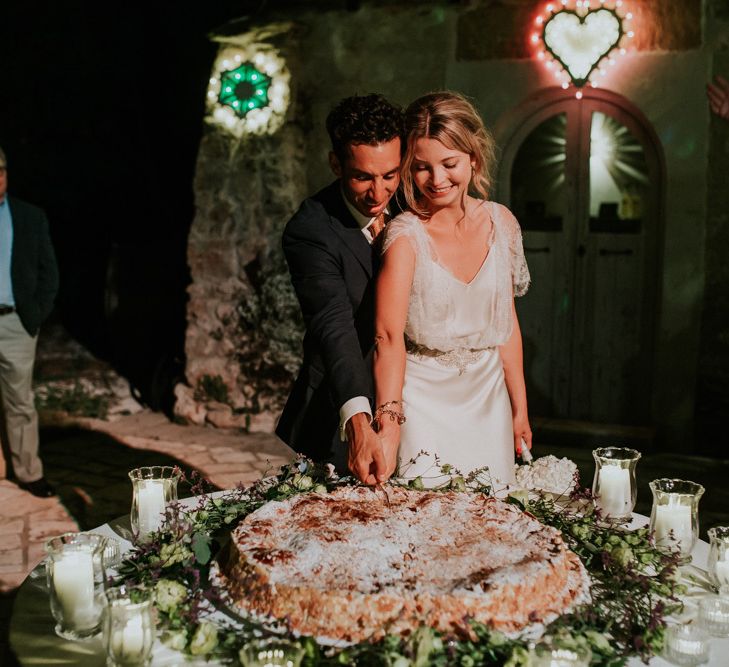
(394, 415)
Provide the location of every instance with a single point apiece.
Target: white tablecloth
(35, 643)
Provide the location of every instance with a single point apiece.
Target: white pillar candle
(689, 646)
(128, 641)
(559, 658)
(722, 572)
(677, 519)
(614, 484)
(73, 581)
(151, 504)
(717, 616)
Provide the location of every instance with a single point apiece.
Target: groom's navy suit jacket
(332, 267)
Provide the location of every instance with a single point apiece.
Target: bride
(448, 360)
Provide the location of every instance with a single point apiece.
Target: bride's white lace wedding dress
(454, 394)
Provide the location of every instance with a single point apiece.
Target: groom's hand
(365, 457)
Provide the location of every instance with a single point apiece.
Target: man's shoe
(39, 488)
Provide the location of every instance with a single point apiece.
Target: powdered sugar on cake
(353, 565)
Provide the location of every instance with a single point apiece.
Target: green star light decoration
(243, 89)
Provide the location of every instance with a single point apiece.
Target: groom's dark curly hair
(363, 119)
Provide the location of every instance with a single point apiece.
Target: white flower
(169, 594)
(205, 639)
(174, 553)
(175, 639)
(548, 473)
(302, 482)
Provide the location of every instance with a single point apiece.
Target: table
(34, 640)
(35, 643)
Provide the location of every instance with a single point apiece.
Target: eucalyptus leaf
(625, 616)
(201, 548)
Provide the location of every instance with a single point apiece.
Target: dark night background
(100, 117)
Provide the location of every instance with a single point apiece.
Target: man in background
(332, 255)
(28, 286)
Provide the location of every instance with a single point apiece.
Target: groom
(329, 248)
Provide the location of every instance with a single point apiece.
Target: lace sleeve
(398, 227)
(519, 269)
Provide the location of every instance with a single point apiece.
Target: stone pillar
(243, 335)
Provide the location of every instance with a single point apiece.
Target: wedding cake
(359, 563)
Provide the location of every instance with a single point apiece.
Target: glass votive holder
(547, 656)
(129, 628)
(112, 552)
(153, 487)
(719, 556)
(686, 645)
(614, 485)
(675, 514)
(76, 578)
(714, 615)
(271, 653)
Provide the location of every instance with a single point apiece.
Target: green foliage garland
(634, 584)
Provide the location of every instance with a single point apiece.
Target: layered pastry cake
(359, 563)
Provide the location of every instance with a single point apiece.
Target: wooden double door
(584, 178)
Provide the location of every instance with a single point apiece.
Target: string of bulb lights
(248, 92)
(580, 42)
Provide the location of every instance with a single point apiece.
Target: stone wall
(244, 332)
(243, 341)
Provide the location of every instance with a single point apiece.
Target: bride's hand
(389, 435)
(522, 430)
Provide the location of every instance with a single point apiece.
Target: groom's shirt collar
(363, 221)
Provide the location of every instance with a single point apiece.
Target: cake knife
(387, 498)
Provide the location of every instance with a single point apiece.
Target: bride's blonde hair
(451, 119)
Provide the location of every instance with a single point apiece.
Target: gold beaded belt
(459, 358)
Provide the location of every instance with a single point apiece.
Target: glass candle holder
(76, 579)
(675, 514)
(686, 645)
(129, 629)
(271, 653)
(112, 552)
(719, 556)
(614, 485)
(152, 488)
(547, 656)
(714, 615)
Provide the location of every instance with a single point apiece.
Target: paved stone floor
(87, 461)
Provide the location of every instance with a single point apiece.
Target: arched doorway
(585, 178)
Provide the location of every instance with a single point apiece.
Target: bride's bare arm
(391, 307)
(513, 359)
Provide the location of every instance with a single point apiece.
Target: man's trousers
(17, 355)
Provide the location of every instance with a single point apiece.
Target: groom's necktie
(377, 225)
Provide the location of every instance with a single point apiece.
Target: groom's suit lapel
(346, 227)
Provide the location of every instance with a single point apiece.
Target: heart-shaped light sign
(579, 41)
